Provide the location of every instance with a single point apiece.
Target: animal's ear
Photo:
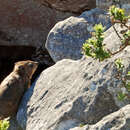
(15, 63)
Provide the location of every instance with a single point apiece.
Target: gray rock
(71, 93)
(105, 4)
(14, 125)
(119, 120)
(67, 37)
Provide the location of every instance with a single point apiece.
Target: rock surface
(71, 93)
(67, 37)
(119, 120)
(105, 4)
(14, 125)
(76, 6)
(26, 22)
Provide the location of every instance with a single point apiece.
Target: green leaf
(4, 124)
(117, 13)
(82, 125)
(99, 28)
(128, 86)
(126, 35)
(93, 47)
(119, 64)
(121, 96)
(128, 74)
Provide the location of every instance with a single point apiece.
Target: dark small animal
(13, 87)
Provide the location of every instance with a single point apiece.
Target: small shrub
(121, 96)
(119, 64)
(117, 13)
(93, 47)
(4, 124)
(125, 82)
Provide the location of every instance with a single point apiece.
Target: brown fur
(14, 85)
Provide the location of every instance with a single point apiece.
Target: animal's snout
(37, 63)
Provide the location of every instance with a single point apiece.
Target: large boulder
(71, 93)
(76, 6)
(119, 120)
(26, 22)
(67, 37)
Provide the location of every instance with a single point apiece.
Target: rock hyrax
(14, 85)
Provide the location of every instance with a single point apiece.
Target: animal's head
(27, 67)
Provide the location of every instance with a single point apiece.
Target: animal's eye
(21, 67)
(30, 65)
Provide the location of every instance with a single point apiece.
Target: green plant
(4, 124)
(94, 47)
(125, 82)
(119, 64)
(118, 16)
(121, 96)
(128, 73)
(82, 124)
(128, 86)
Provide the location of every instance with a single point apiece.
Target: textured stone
(119, 120)
(76, 6)
(67, 37)
(105, 4)
(26, 22)
(14, 125)
(71, 93)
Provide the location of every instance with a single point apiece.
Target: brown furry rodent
(14, 85)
